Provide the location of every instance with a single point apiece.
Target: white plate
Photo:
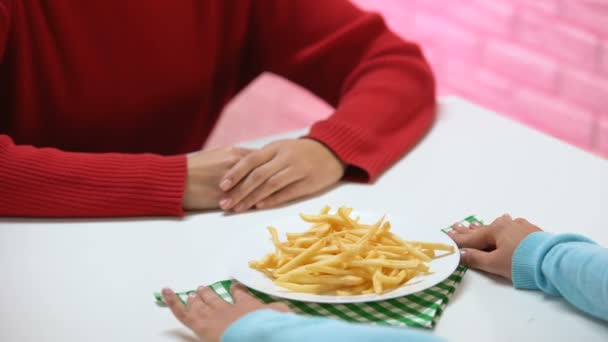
(254, 243)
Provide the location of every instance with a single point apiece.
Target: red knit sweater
(99, 100)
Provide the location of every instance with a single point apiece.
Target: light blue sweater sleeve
(566, 265)
(272, 326)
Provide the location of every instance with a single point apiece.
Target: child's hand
(280, 172)
(491, 248)
(208, 316)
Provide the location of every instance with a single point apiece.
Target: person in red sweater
(100, 101)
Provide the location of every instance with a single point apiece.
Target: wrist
(186, 196)
(339, 161)
(525, 260)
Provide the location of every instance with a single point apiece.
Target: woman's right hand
(205, 169)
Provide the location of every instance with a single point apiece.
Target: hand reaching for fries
(340, 255)
(278, 173)
(491, 248)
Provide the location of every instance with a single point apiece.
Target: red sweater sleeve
(381, 86)
(49, 182)
(4, 24)
(52, 183)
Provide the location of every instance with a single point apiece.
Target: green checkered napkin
(421, 309)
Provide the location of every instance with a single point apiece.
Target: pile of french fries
(339, 255)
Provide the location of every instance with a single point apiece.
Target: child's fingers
(195, 303)
(281, 307)
(240, 294)
(476, 259)
(210, 298)
(460, 228)
(484, 261)
(475, 225)
(502, 221)
(178, 308)
(479, 239)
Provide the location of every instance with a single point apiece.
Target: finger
(456, 224)
(502, 220)
(252, 181)
(240, 294)
(244, 166)
(288, 193)
(480, 260)
(460, 228)
(275, 183)
(243, 151)
(210, 298)
(281, 307)
(195, 302)
(176, 306)
(478, 239)
(521, 222)
(475, 225)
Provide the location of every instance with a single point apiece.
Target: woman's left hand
(280, 172)
(209, 316)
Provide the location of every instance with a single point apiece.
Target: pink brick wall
(543, 62)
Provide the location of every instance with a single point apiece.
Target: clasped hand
(237, 179)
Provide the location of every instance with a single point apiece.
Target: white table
(92, 280)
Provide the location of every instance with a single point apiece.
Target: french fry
(346, 280)
(391, 280)
(377, 282)
(335, 220)
(393, 249)
(274, 236)
(345, 215)
(325, 210)
(392, 255)
(308, 288)
(433, 246)
(329, 270)
(305, 241)
(341, 255)
(413, 250)
(429, 252)
(301, 258)
(321, 257)
(399, 264)
(388, 242)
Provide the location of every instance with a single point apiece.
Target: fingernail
(459, 225)
(166, 291)
(475, 224)
(225, 203)
(192, 295)
(200, 288)
(225, 184)
(463, 253)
